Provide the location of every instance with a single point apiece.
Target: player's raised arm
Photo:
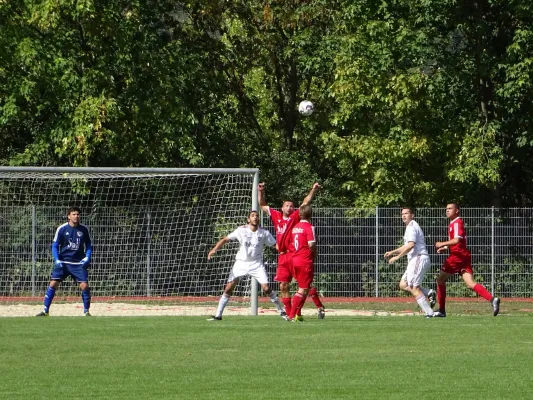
(261, 197)
(311, 194)
(219, 244)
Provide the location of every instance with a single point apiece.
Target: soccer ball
(306, 108)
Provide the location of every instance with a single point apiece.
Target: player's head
(73, 215)
(253, 218)
(452, 210)
(287, 208)
(408, 214)
(306, 212)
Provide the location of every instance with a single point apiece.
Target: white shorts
(255, 269)
(416, 269)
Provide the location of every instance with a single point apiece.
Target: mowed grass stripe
(459, 357)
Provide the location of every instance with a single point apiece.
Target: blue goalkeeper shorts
(78, 272)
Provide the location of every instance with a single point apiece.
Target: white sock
(274, 299)
(424, 305)
(222, 304)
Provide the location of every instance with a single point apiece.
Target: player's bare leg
(422, 301)
(274, 299)
(441, 293)
(228, 291)
(482, 291)
(429, 293)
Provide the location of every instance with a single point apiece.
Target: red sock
(480, 289)
(297, 303)
(441, 297)
(287, 303)
(313, 293)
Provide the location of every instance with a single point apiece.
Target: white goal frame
(76, 173)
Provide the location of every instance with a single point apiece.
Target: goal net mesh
(151, 233)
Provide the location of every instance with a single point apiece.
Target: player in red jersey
(284, 221)
(458, 262)
(303, 248)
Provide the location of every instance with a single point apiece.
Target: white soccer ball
(306, 108)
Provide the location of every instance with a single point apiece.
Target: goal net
(151, 231)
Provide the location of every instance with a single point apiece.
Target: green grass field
(463, 356)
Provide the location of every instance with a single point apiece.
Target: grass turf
(458, 357)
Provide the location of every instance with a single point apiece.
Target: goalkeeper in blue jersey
(71, 250)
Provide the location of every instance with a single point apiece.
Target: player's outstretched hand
(387, 254)
(393, 259)
(317, 186)
(211, 254)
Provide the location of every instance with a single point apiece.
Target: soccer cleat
(432, 297)
(214, 318)
(299, 318)
(87, 314)
(496, 305)
(284, 316)
(42, 314)
(439, 314)
(429, 315)
(321, 313)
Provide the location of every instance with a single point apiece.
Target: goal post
(151, 230)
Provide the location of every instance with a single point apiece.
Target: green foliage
(415, 101)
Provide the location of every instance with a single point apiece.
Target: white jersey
(413, 233)
(252, 243)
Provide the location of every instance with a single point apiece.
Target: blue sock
(48, 297)
(86, 297)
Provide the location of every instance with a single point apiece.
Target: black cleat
(321, 313)
(496, 306)
(439, 314)
(214, 318)
(42, 314)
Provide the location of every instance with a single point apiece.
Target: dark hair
(73, 209)
(456, 205)
(251, 212)
(411, 209)
(306, 212)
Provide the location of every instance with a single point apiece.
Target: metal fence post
(492, 245)
(33, 250)
(148, 250)
(377, 251)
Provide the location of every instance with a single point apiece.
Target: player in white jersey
(418, 262)
(248, 261)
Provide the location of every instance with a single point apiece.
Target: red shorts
(455, 264)
(304, 275)
(284, 270)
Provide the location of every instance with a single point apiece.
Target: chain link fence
(352, 242)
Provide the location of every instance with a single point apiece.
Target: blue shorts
(78, 272)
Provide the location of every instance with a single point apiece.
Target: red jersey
(302, 234)
(283, 227)
(457, 229)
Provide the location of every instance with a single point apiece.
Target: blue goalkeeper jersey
(72, 244)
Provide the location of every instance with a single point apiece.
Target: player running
(418, 262)
(458, 262)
